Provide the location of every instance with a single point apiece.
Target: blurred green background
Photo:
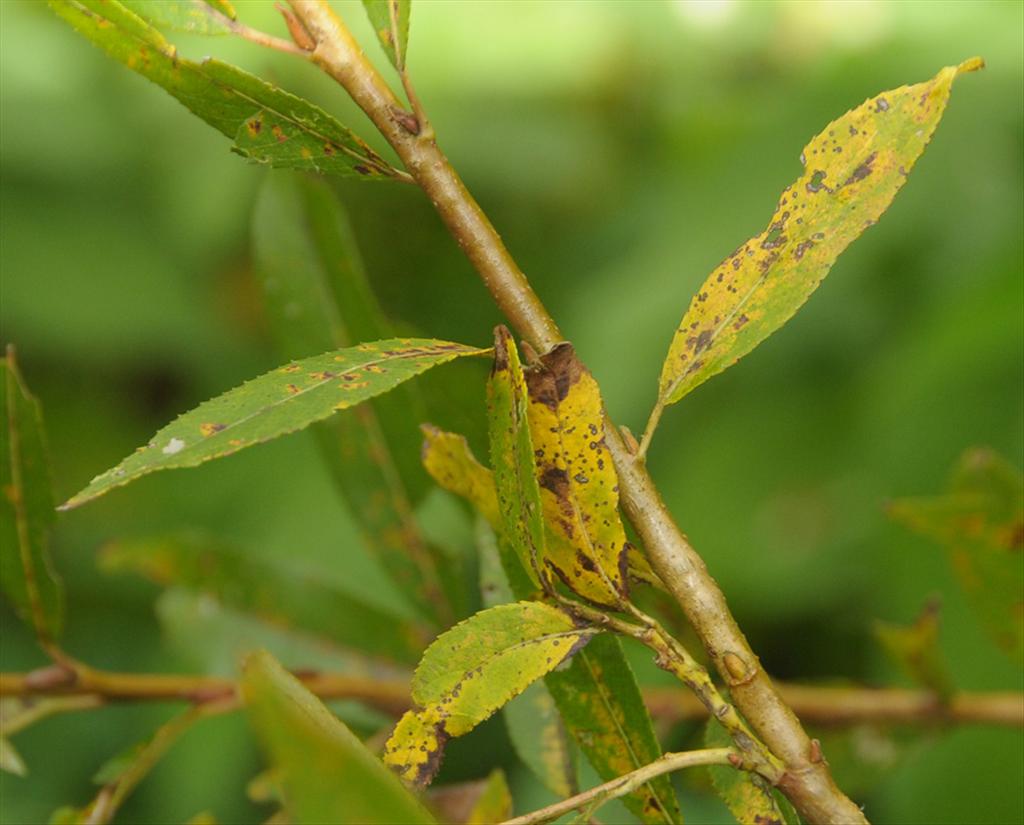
(622, 149)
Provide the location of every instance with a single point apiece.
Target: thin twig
(627, 783)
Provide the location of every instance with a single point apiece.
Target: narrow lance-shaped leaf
(270, 591)
(852, 172)
(981, 522)
(194, 16)
(317, 298)
(390, 21)
(471, 671)
(515, 471)
(915, 648)
(586, 543)
(326, 773)
(597, 696)
(26, 507)
(266, 124)
(749, 797)
(603, 709)
(281, 401)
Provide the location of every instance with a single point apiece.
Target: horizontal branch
(389, 696)
(839, 706)
(627, 783)
(836, 706)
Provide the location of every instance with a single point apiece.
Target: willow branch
(832, 706)
(627, 783)
(389, 696)
(842, 706)
(807, 781)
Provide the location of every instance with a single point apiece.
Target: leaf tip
(972, 64)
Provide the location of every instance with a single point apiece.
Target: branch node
(51, 677)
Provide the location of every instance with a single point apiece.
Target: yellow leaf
(586, 543)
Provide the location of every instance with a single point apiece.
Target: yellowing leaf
(390, 20)
(266, 124)
(326, 773)
(747, 795)
(495, 803)
(586, 543)
(279, 402)
(602, 708)
(981, 522)
(450, 462)
(27, 577)
(471, 671)
(512, 456)
(852, 172)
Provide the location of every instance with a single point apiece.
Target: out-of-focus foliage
(622, 149)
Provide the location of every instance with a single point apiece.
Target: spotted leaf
(195, 16)
(26, 507)
(852, 172)
(390, 21)
(317, 297)
(325, 772)
(980, 520)
(585, 541)
(474, 669)
(515, 471)
(267, 125)
(279, 402)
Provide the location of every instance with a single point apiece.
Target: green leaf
(471, 671)
(852, 172)
(540, 739)
(26, 507)
(586, 542)
(915, 648)
(194, 16)
(327, 774)
(749, 797)
(981, 523)
(602, 708)
(317, 298)
(390, 21)
(512, 457)
(273, 592)
(266, 124)
(279, 402)
(211, 638)
(495, 803)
